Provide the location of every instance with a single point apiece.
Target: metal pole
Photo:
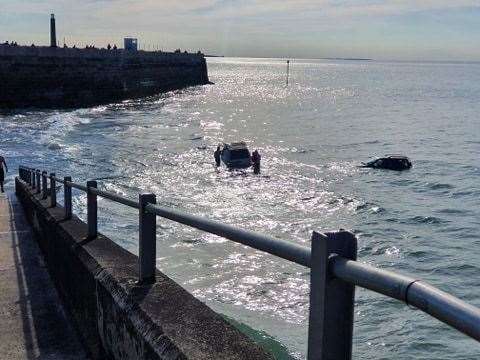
(92, 210)
(288, 70)
(38, 182)
(44, 185)
(67, 197)
(147, 252)
(443, 306)
(53, 191)
(330, 327)
(32, 178)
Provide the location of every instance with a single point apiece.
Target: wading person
(256, 162)
(216, 155)
(2, 174)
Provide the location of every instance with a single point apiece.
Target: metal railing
(331, 258)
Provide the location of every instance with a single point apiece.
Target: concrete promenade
(33, 324)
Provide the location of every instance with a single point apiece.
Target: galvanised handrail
(281, 248)
(332, 260)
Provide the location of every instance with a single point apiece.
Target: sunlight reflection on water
(312, 136)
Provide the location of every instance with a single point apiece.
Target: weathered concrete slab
(33, 324)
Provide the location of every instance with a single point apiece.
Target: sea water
(312, 135)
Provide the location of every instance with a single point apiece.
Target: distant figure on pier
(6, 43)
(2, 174)
(114, 47)
(216, 155)
(256, 162)
(109, 47)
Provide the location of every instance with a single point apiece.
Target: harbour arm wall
(47, 77)
(115, 316)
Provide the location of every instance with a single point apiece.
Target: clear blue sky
(381, 29)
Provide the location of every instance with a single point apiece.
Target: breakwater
(117, 317)
(46, 77)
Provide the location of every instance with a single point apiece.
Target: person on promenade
(2, 174)
(256, 162)
(216, 155)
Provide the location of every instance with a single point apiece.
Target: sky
(380, 29)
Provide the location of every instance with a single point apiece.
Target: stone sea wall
(116, 317)
(45, 77)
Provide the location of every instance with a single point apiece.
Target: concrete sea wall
(45, 77)
(115, 317)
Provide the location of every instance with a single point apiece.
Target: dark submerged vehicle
(236, 155)
(390, 162)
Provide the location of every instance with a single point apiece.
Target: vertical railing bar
(38, 187)
(147, 240)
(330, 328)
(92, 219)
(53, 190)
(44, 185)
(67, 197)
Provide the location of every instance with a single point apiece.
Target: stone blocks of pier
(46, 77)
(115, 316)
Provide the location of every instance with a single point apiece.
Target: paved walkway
(33, 324)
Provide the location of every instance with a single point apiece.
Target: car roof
(396, 156)
(237, 146)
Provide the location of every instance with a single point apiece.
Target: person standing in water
(216, 155)
(256, 162)
(2, 174)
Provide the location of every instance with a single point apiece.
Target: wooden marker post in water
(288, 70)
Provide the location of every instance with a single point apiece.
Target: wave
(426, 220)
(440, 186)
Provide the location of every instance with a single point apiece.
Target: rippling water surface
(312, 135)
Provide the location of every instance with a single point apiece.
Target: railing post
(67, 197)
(330, 327)
(92, 210)
(32, 178)
(53, 190)
(38, 182)
(147, 253)
(44, 185)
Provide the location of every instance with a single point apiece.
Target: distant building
(130, 44)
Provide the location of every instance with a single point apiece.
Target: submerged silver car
(236, 155)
